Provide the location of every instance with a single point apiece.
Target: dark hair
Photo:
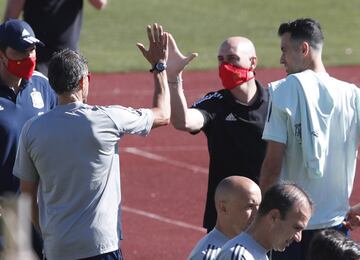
(66, 68)
(304, 29)
(330, 244)
(283, 197)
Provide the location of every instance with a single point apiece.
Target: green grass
(109, 36)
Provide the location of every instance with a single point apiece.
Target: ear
(81, 83)
(222, 207)
(305, 48)
(274, 216)
(253, 61)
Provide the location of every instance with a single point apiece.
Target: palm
(176, 60)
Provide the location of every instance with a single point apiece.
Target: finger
(172, 43)
(166, 40)
(161, 34)
(141, 48)
(150, 34)
(190, 57)
(156, 32)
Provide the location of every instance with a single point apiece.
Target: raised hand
(158, 45)
(177, 61)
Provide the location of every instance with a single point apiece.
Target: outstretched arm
(271, 167)
(98, 4)
(13, 9)
(182, 117)
(158, 53)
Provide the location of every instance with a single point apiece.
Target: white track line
(173, 148)
(152, 156)
(163, 219)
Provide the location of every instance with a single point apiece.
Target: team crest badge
(37, 99)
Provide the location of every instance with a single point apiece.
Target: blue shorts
(298, 251)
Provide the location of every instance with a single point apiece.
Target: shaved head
(235, 187)
(238, 44)
(238, 51)
(237, 199)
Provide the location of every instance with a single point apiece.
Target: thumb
(141, 48)
(190, 57)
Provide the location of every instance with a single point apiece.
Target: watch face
(160, 66)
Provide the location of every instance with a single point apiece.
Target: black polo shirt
(34, 98)
(234, 135)
(57, 23)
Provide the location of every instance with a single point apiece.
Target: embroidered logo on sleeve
(1, 108)
(37, 99)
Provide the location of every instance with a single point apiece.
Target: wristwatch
(159, 67)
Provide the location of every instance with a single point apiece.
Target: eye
(233, 58)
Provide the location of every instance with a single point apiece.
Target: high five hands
(158, 45)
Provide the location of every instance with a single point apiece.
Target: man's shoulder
(209, 245)
(237, 248)
(212, 98)
(39, 81)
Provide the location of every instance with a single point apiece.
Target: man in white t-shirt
(283, 213)
(313, 131)
(237, 199)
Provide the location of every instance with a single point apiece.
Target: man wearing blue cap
(24, 93)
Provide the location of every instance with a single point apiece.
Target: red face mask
(232, 76)
(22, 68)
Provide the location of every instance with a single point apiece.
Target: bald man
(232, 118)
(283, 214)
(237, 199)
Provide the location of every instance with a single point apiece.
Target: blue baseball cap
(18, 35)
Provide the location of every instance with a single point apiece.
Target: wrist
(175, 80)
(160, 66)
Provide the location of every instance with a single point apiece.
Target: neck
(315, 63)
(226, 229)
(246, 92)
(70, 98)
(258, 231)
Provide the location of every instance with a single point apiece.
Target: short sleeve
(209, 106)
(24, 167)
(276, 125)
(129, 120)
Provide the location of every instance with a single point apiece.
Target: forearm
(161, 100)
(13, 9)
(30, 188)
(268, 177)
(35, 213)
(271, 167)
(178, 103)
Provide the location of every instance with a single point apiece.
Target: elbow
(166, 121)
(183, 126)
(163, 120)
(179, 124)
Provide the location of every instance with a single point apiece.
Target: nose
(298, 236)
(282, 59)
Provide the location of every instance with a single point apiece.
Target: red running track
(164, 176)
